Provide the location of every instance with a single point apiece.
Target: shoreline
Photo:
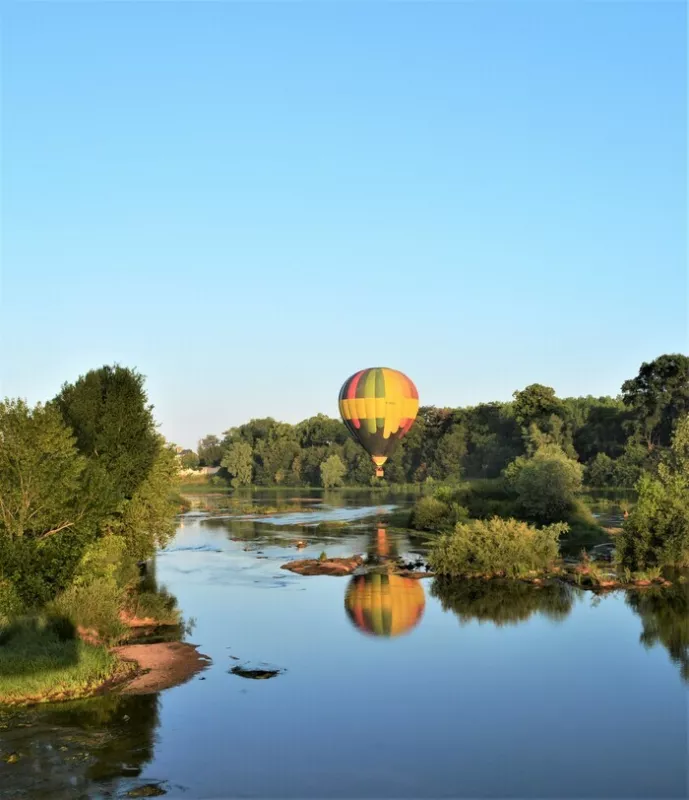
(138, 669)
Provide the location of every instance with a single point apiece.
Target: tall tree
(658, 397)
(108, 411)
(332, 472)
(238, 461)
(41, 472)
(210, 451)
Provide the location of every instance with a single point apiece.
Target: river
(486, 691)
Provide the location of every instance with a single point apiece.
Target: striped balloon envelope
(379, 406)
(385, 605)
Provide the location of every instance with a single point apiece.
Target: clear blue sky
(249, 202)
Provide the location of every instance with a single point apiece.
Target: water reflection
(64, 750)
(665, 617)
(503, 602)
(381, 603)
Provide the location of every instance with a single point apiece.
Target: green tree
(188, 459)
(601, 471)
(210, 451)
(546, 484)
(599, 426)
(332, 472)
(41, 472)
(493, 440)
(238, 461)
(452, 447)
(658, 397)
(656, 534)
(536, 403)
(321, 430)
(108, 411)
(147, 520)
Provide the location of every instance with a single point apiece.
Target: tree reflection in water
(503, 602)
(66, 749)
(664, 613)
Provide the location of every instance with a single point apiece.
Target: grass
(42, 660)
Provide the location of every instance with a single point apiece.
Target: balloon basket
(379, 472)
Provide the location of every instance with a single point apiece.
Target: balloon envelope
(379, 406)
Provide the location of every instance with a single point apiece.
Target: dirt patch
(161, 665)
(328, 566)
(414, 574)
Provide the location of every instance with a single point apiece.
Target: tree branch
(57, 530)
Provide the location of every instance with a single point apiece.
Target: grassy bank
(42, 660)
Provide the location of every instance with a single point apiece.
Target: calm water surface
(488, 691)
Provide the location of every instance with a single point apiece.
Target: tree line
(613, 439)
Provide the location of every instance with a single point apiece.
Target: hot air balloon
(379, 406)
(385, 605)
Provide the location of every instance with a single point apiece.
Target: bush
(656, 534)
(546, 484)
(600, 471)
(11, 605)
(99, 589)
(495, 547)
(435, 514)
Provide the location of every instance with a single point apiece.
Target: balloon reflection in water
(382, 603)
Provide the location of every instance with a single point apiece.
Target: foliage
(546, 484)
(601, 471)
(147, 520)
(188, 459)
(238, 461)
(495, 547)
(657, 531)
(94, 598)
(11, 605)
(40, 472)
(436, 513)
(332, 472)
(658, 396)
(210, 451)
(109, 413)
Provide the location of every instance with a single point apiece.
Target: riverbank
(42, 660)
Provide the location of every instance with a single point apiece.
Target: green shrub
(656, 534)
(546, 484)
(99, 589)
(160, 606)
(11, 605)
(600, 471)
(495, 547)
(434, 514)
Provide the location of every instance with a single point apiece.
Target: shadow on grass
(31, 645)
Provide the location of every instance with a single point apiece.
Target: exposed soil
(161, 665)
(328, 566)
